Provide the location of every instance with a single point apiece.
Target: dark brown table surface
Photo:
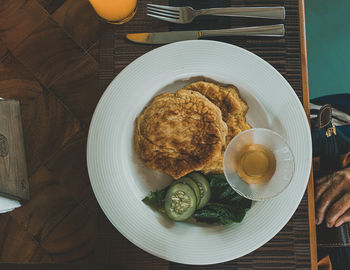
(57, 58)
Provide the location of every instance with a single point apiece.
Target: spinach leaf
(156, 199)
(225, 206)
(223, 193)
(219, 213)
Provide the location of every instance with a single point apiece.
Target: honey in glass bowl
(258, 164)
(255, 164)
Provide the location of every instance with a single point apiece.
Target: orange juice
(115, 11)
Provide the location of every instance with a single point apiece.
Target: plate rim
(157, 50)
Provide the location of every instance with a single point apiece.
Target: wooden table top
(50, 60)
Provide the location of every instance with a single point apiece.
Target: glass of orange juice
(115, 11)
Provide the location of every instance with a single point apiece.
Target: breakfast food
(216, 203)
(181, 132)
(186, 131)
(233, 110)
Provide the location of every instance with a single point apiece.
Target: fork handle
(276, 30)
(257, 12)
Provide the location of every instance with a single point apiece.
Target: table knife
(169, 37)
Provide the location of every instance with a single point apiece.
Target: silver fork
(187, 14)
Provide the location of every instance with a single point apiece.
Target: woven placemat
(289, 249)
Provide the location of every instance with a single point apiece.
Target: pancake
(178, 133)
(233, 109)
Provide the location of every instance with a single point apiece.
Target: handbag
(331, 152)
(330, 146)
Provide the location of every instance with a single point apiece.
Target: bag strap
(324, 116)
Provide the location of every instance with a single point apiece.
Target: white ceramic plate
(120, 180)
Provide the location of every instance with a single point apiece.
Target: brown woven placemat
(289, 249)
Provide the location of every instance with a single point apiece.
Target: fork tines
(165, 13)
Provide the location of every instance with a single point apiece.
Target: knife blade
(169, 37)
(163, 37)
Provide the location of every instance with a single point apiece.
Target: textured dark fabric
(340, 258)
(339, 101)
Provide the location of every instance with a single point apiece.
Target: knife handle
(257, 12)
(276, 30)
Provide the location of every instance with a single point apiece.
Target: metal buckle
(330, 131)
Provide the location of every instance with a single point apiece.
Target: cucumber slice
(189, 181)
(204, 188)
(180, 202)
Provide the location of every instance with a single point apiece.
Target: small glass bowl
(284, 164)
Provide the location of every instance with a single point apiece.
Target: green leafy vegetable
(225, 206)
(221, 192)
(156, 199)
(221, 213)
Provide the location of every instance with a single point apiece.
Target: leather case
(333, 237)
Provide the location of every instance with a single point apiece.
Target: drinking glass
(115, 11)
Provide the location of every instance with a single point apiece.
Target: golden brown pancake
(178, 133)
(234, 94)
(233, 109)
